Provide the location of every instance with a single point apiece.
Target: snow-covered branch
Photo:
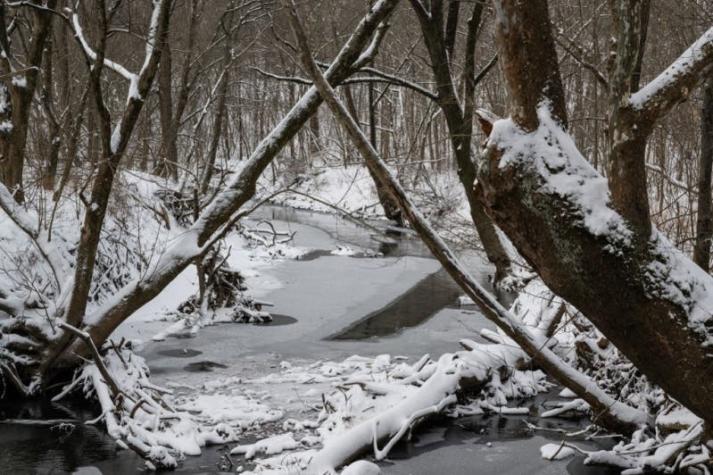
(91, 54)
(677, 81)
(26, 224)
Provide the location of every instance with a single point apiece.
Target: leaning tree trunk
(649, 299)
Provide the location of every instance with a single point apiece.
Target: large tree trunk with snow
(649, 299)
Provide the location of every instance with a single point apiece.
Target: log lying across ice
(373, 415)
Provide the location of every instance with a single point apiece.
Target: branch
(381, 77)
(420, 10)
(21, 219)
(398, 81)
(294, 79)
(91, 54)
(576, 53)
(84, 336)
(486, 69)
(367, 56)
(677, 81)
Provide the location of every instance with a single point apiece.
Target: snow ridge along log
(648, 298)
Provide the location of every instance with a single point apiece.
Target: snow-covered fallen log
(377, 403)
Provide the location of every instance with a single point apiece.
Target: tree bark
(704, 222)
(628, 136)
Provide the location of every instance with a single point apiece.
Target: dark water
(489, 445)
(484, 445)
(61, 446)
(382, 239)
(410, 309)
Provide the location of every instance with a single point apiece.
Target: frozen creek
(328, 308)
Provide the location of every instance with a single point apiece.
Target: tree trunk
(168, 166)
(459, 120)
(704, 223)
(391, 208)
(19, 90)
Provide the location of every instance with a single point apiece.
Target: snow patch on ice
(556, 452)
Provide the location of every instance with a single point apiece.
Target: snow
(564, 172)
(269, 446)
(361, 467)
(19, 81)
(556, 452)
(673, 276)
(115, 137)
(350, 188)
(567, 393)
(229, 406)
(700, 48)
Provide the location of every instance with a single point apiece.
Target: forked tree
(591, 240)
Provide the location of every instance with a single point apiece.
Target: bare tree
(17, 90)
(704, 223)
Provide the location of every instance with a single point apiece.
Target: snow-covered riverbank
(270, 379)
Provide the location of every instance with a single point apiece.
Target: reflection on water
(59, 446)
(410, 309)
